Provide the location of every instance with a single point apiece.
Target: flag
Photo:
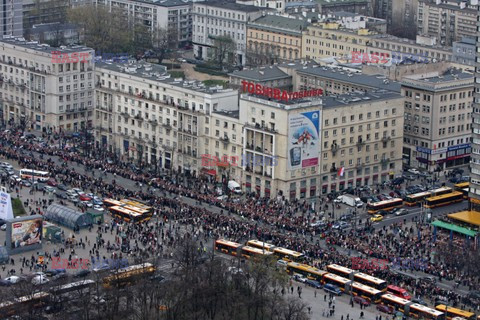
(341, 171)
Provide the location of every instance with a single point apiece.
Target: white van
(234, 187)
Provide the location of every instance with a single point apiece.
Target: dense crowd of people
(279, 221)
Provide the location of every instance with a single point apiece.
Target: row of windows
(386, 164)
(360, 117)
(359, 148)
(360, 129)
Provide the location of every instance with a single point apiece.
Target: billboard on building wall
(303, 139)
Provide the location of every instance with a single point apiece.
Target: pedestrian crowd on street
(283, 222)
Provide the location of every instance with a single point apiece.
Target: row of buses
(129, 210)
(431, 199)
(347, 280)
(75, 290)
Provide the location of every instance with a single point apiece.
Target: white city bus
(29, 174)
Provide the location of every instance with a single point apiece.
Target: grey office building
(11, 17)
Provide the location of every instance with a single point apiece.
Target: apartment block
(274, 38)
(438, 117)
(145, 116)
(222, 18)
(173, 15)
(11, 18)
(43, 92)
(475, 162)
(447, 20)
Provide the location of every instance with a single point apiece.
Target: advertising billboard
(26, 233)
(303, 139)
(6, 211)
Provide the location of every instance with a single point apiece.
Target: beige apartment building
(147, 117)
(438, 116)
(274, 38)
(358, 142)
(41, 91)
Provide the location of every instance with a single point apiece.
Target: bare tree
(164, 43)
(223, 51)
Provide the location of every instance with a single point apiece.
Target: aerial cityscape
(240, 159)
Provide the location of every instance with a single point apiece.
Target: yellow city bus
(24, 304)
(387, 205)
(366, 292)
(422, 312)
(261, 245)
(128, 215)
(112, 202)
(414, 199)
(227, 247)
(341, 282)
(307, 271)
(371, 281)
(288, 255)
(143, 212)
(395, 302)
(136, 203)
(444, 199)
(340, 271)
(249, 252)
(454, 312)
(126, 275)
(463, 187)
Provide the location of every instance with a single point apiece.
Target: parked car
(331, 288)
(383, 212)
(26, 183)
(49, 189)
(282, 263)
(400, 212)
(313, 283)
(62, 187)
(414, 171)
(362, 301)
(346, 217)
(5, 283)
(15, 178)
(84, 197)
(82, 273)
(39, 279)
(98, 208)
(385, 308)
(457, 171)
(299, 278)
(14, 279)
(52, 182)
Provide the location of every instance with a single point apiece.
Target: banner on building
(6, 211)
(303, 139)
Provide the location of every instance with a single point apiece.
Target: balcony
(333, 169)
(125, 114)
(167, 126)
(360, 143)
(139, 117)
(385, 139)
(334, 148)
(249, 146)
(225, 139)
(258, 126)
(359, 165)
(385, 161)
(154, 123)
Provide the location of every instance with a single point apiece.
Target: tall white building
(222, 18)
(475, 162)
(147, 117)
(167, 14)
(43, 91)
(11, 18)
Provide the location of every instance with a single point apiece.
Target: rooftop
(339, 74)
(41, 47)
(467, 40)
(158, 73)
(229, 113)
(334, 2)
(260, 74)
(276, 22)
(447, 80)
(390, 38)
(231, 5)
(358, 97)
(166, 3)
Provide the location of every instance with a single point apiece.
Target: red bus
(399, 292)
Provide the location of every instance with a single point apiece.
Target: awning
(459, 156)
(292, 192)
(303, 189)
(313, 187)
(385, 174)
(333, 184)
(267, 190)
(375, 176)
(454, 228)
(248, 184)
(351, 180)
(470, 217)
(342, 182)
(257, 187)
(211, 172)
(359, 179)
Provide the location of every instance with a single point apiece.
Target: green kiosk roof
(453, 227)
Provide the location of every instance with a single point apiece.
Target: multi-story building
(335, 81)
(222, 18)
(43, 11)
(144, 115)
(355, 6)
(447, 20)
(328, 144)
(438, 111)
(475, 162)
(274, 38)
(172, 15)
(271, 76)
(464, 51)
(401, 16)
(11, 18)
(42, 91)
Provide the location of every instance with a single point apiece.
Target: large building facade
(172, 15)
(44, 92)
(438, 112)
(144, 116)
(11, 18)
(447, 20)
(222, 19)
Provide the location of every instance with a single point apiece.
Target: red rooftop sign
(278, 94)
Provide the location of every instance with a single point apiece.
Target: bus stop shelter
(67, 217)
(471, 218)
(468, 233)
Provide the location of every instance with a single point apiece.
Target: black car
(383, 212)
(398, 181)
(454, 180)
(457, 171)
(82, 273)
(62, 187)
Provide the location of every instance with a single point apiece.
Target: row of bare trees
(202, 286)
